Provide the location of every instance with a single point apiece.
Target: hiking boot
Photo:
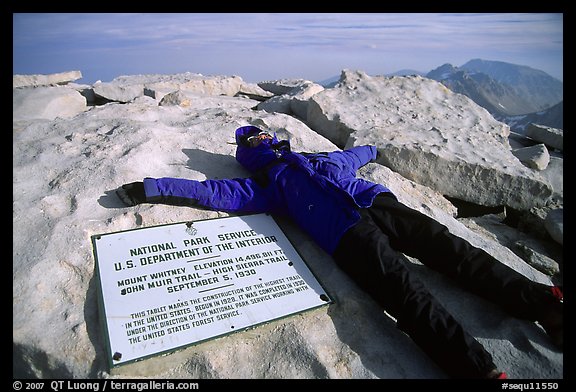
(553, 318)
(496, 374)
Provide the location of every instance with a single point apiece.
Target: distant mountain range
(552, 117)
(407, 72)
(514, 94)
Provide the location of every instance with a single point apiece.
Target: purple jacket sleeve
(355, 157)
(230, 195)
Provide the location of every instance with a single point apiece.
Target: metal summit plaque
(170, 286)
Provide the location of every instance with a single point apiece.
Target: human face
(255, 140)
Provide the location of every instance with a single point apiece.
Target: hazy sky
(265, 46)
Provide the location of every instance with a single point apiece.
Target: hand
(132, 194)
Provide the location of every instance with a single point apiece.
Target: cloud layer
(267, 46)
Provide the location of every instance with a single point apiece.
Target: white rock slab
(430, 135)
(45, 80)
(46, 103)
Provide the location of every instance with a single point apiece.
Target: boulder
(61, 78)
(430, 135)
(537, 260)
(552, 137)
(175, 98)
(554, 174)
(46, 103)
(127, 88)
(253, 91)
(112, 91)
(537, 252)
(281, 86)
(554, 224)
(535, 157)
(294, 101)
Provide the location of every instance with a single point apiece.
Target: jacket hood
(256, 158)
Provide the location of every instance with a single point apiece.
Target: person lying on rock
(364, 227)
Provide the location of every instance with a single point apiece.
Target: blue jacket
(320, 192)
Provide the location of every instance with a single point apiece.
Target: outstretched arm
(355, 157)
(235, 195)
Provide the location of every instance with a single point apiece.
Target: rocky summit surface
(74, 144)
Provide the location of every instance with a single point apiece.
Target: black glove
(132, 194)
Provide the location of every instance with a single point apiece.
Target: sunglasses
(255, 140)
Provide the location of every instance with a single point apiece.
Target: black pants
(368, 253)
